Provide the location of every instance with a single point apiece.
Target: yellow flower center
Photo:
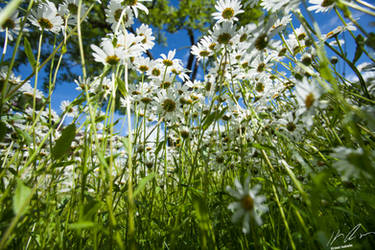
(309, 100)
(73, 8)
(227, 13)
(9, 23)
(224, 38)
(167, 62)
(112, 60)
(169, 105)
(327, 3)
(247, 203)
(45, 23)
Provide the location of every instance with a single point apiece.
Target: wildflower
(146, 33)
(307, 94)
(285, 5)
(69, 110)
(108, 54)
(130, 44)
(142, 64)
(167, 104)
(168, 60)
(321, 5)
(46, 17)
(223, 33)
(200, 51)
(12, 24)
(135, 5)
(69, 8)
(249, 204)
(350, 162)
(227, 10)
(113, 14)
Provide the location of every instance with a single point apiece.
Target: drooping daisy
(248, 205)
(108, 54)
(227, 10)
(113, 14)
(321, 5)
(46, 17)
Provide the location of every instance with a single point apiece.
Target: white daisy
(145, 32)
(135, 5)
(113, 14)
(168, 61)
(167, 101)
(12, 24)
(321, 5)
(108, 54)
(249, 204)
(69, 8)
(227, 10)
(46, 17)
(70, 111)
(348, 162)
(200, 51)
(223, 33)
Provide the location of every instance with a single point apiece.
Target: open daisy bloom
(46, 18)
(321, 5)
(248, 204)
(227, 10)
(108, 54)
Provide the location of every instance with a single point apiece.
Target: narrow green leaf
(159, 147)
(63, 144)
(29, 53)
(25, 136)
(360, 41)
(209, 119)
(121, 87)
(81, 225)
(102, 159)
(141, 185)
(20, 197)
(3, 130)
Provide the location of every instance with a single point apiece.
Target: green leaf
(121, 87)
(62, 145)
(3, 130)
(25, 136)
(209, 119)
(161, 144)
(141, 185)
(29, 53)
(20, 197)
(81, 225)
(360, 41)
